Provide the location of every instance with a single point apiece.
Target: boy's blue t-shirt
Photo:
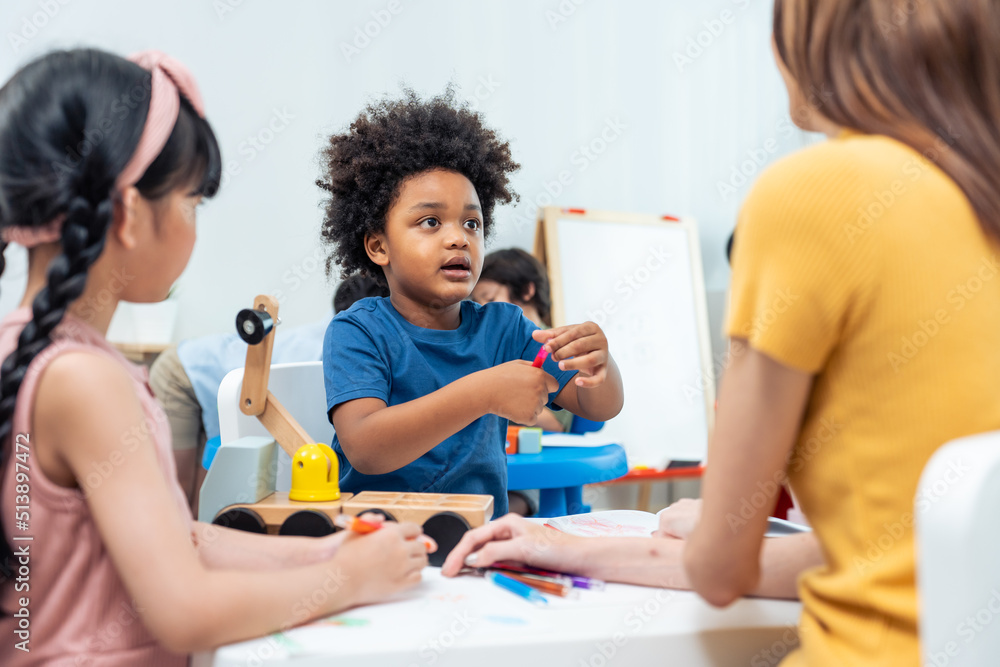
(370, 350)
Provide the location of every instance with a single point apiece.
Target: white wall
(551, 76)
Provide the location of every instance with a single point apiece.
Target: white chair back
(300, 388)
(958, 553)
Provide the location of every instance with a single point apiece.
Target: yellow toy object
(315, 474)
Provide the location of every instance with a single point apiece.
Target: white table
(470, 621)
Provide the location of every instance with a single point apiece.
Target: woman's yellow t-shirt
(861, 262)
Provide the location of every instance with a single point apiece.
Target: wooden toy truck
(239, 489)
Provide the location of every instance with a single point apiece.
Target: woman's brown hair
(924, 72)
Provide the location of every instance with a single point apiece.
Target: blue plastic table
(561, 472)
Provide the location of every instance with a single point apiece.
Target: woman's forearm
(658, 562)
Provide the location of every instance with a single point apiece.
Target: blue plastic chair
(580, 425)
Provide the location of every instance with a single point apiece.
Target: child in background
(186, 378)
(111, 533)
(420, 385)
(514, 276)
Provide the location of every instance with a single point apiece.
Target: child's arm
(378, 439)
(185, 605)
(761, 403)
(596, 393)
(226, 548)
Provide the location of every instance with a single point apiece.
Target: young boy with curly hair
(420, 384)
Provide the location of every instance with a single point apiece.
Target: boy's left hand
(581, 347)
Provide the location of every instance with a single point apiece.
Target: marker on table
(364, 526)
(578, 581)
(540, 357)
(561, 586)
(516, 587)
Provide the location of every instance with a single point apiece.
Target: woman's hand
(516, 539)
(678, 520)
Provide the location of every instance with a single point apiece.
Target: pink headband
(170, 78)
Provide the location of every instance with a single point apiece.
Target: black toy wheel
(307, 523)
(445, 528)
(241, 518)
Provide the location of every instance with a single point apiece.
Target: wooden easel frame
(546, 250)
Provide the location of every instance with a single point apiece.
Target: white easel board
(640, 278)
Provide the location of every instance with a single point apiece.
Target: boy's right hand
(376, 565)
(519, 391)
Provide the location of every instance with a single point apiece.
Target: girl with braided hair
(102, 163)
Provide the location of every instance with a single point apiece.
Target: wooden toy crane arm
(257, 401)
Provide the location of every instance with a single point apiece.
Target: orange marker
(365, 526)
(356, 523)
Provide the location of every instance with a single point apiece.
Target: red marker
(540, 357)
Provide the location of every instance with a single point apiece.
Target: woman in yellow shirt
(864, 314)
(864, 317)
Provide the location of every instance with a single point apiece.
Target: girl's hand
(580, 347)
(516, 539)
(376, 565)
(330, 544)
(678, 520)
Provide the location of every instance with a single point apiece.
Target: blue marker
(516, 587)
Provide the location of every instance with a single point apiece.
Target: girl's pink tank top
(78, 610)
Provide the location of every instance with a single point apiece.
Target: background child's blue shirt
(370, 350)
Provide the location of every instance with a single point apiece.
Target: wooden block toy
(529, 440)
(277, 515)
(445, 517)
(512, 432)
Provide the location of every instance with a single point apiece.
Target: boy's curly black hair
(388, 142)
